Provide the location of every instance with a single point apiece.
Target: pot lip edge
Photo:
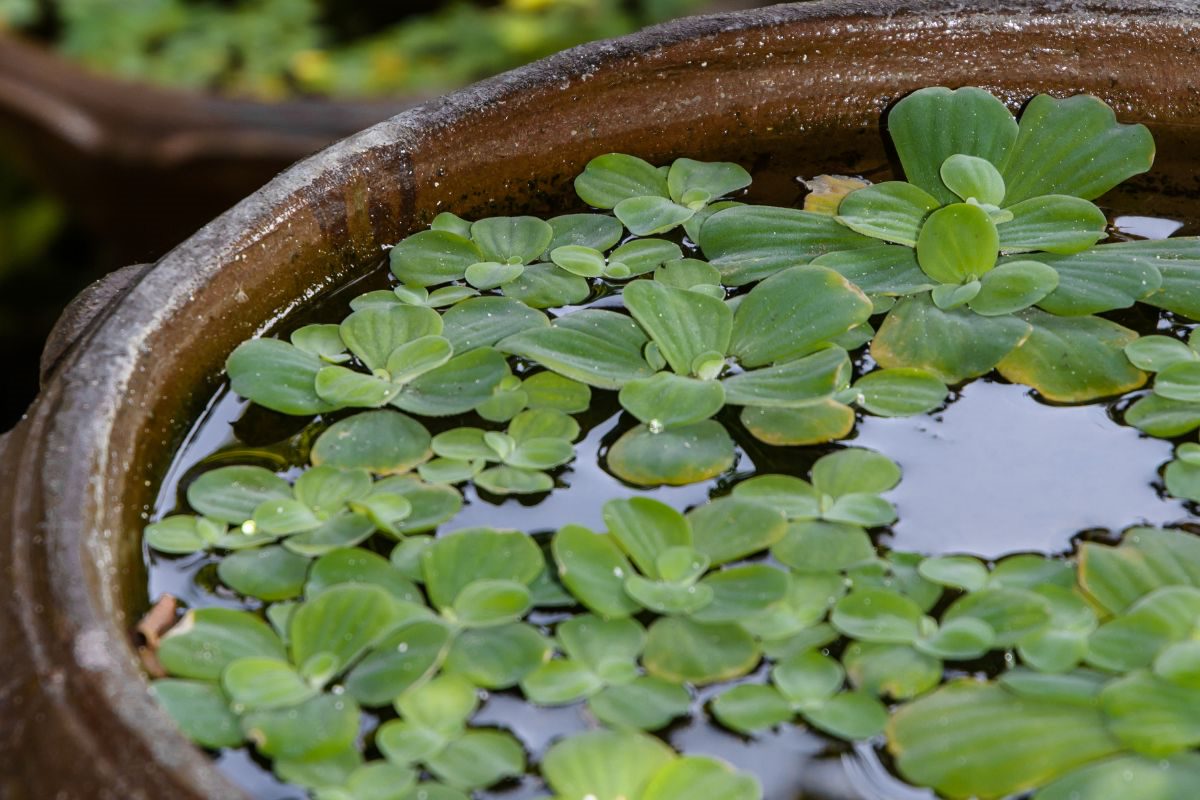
(200, 256)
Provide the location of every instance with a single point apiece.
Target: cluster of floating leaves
(985, 258)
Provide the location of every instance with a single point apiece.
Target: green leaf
(498, 657)
(792, 384)
(184, 533)
(485, 603)
(849, 715)
(1011, 613)
(384, 442)
(1179, 381)
(716, 179)
(1164, 418)
(792, 313)
(863, 509)
(595, 231)
(430, 505)
(970, 739)
(812, 423)
(958, 572)
(1156, 353)
(808, 678)
(606, 647)
(268, 573)
(795, 498)
(669, 400)
(478, 759)
(560, 682)
(599, 348)
(1073, 146)
(971, 177)
(231, 494)
(947, 296)
(342, 621)
(443, 705)
(645, 529)
(484, 321)
(892, 211)
(1180, 664)
(962, 638)
(952, 345)
(261, 683)
(823, 546)
(456, 387)
(732, 528)
(854, 470)
(668, 598)
(742, 591)
(342, 531)
(683, 324)
(1134, 639)
(678, 649)
(700, 776)
(1148, 559)
(686, 273)
(1013, 286)
(644, 255)
(277, 376)
(1152, 716)
(320, 340)
(1100, 279)
(465, 556)
(878, 615)
(749, 243)
(547, 286)
(895, 670)
(207, 640)
(646, 216)
(317, 728)
(201, 711)
(645, 703)
(415, 358)
(432, 257)
(902, 392)
(326, 490)
(491, 274)
(888, 270)
(373, 333)
(452, 223)
(345, 388)
(506, 480)
(1054, 223)
(582, 261)
(511, 240)
(403, 658)
(357, 565)
(751, 707)
(604, 765)
(593, 568)
(958, 243)
(1073, 359)
(1183, 480)
(1128, 776)
(931, 125)
(675, 456)
(611, 178)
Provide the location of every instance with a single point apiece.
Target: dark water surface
(996, 471)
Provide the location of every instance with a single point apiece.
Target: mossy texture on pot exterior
(791, 84)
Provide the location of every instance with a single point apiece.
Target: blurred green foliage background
(264, 50)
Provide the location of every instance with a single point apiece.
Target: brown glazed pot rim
(78, 472)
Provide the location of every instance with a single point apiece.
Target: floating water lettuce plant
(373, 626)
(987, 251)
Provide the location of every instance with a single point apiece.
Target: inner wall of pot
(795, 99)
